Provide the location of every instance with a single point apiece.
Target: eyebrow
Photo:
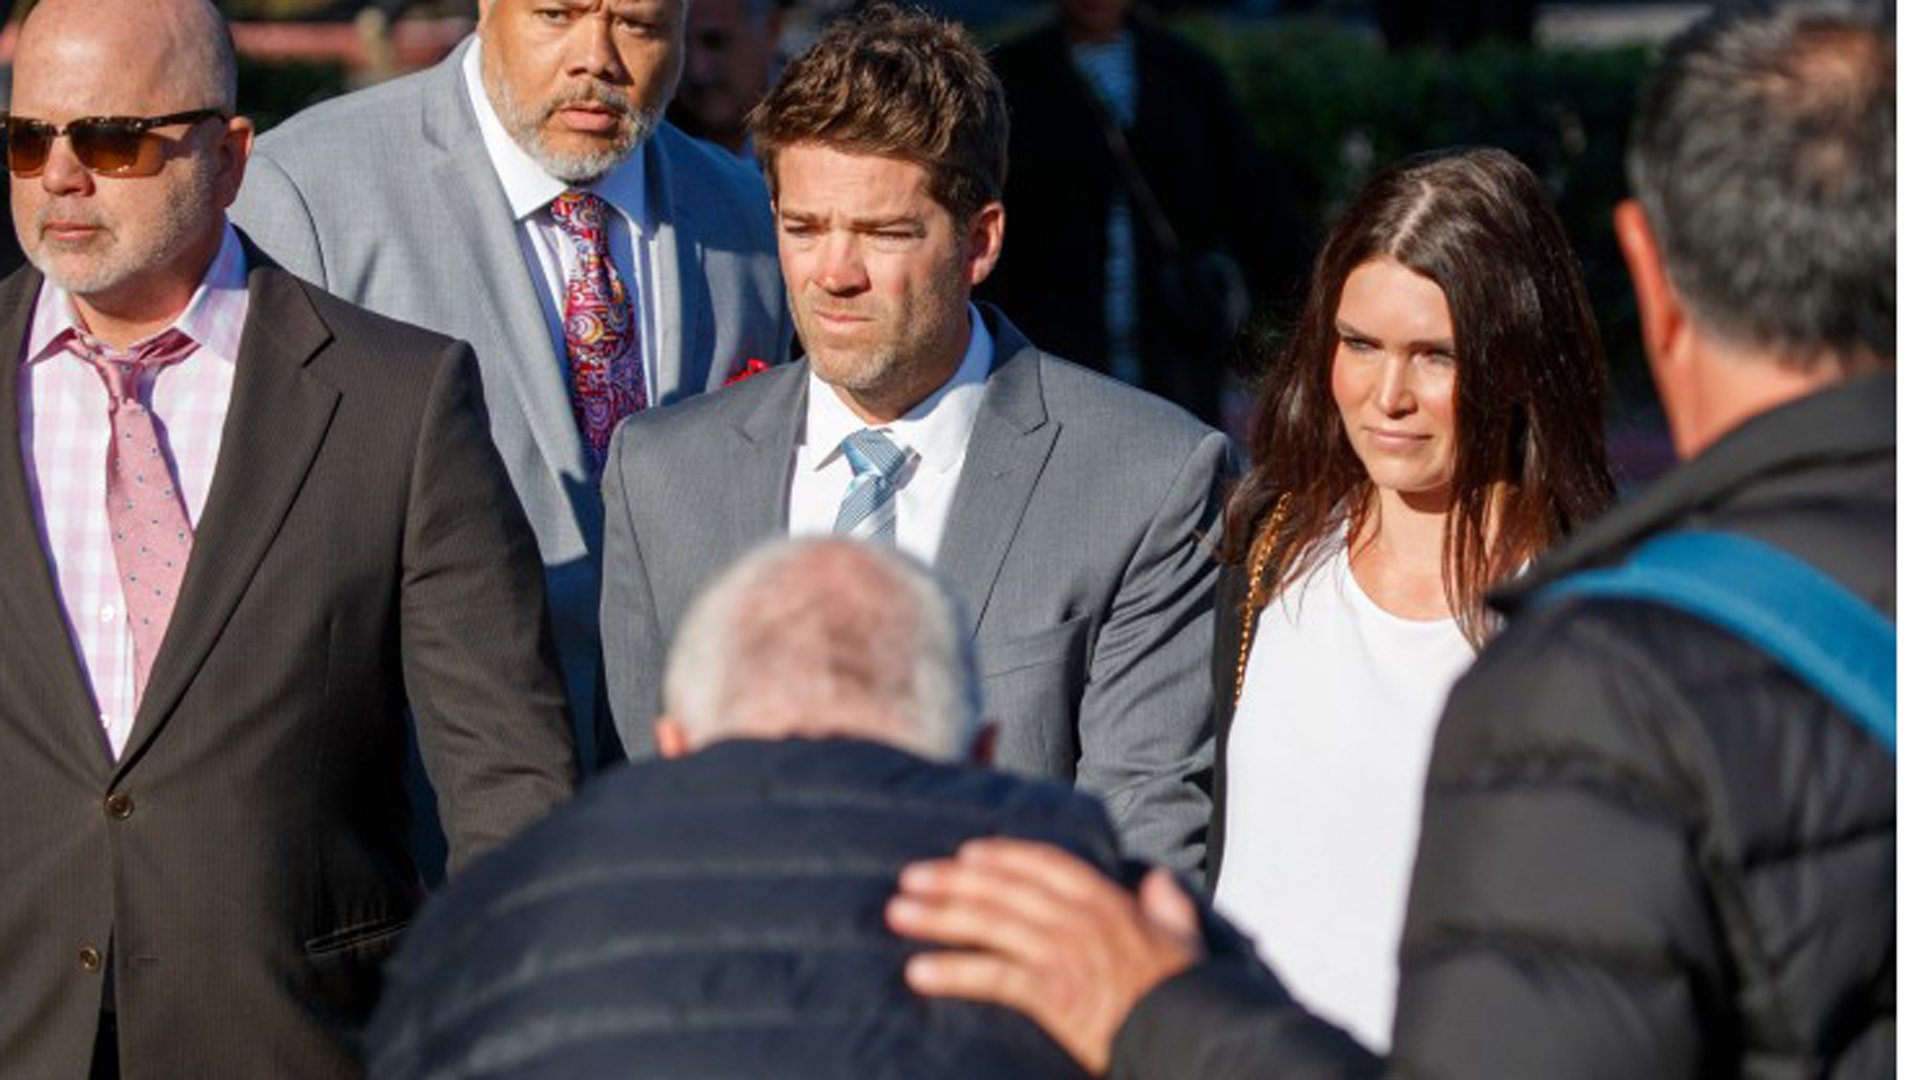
(889, 221)
(859, 224)
(1346, 329)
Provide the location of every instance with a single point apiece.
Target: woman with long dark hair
(1434, 423)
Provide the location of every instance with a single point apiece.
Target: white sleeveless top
(1326, 763)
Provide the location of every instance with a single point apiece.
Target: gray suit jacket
(386, 197)
(1079, 540)
(247, 854)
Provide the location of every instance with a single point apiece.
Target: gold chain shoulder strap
(1257, 592)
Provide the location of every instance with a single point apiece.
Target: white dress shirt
(549, 252)
(934, 433)
(64, 431)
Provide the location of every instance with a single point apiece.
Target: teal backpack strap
(1835, 642)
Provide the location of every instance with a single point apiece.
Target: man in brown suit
(247, 527)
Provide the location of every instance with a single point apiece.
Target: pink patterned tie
(151, 537)
(608, 383)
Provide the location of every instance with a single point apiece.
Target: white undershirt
(1326, 764)
(935, 432)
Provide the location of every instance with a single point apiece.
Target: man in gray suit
(443, 199)
(1071, 512)
(247, 526)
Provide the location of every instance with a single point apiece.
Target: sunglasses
(106, 145)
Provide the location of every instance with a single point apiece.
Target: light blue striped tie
(866, 512)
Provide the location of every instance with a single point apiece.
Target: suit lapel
(688, 332)
(38, 639)
(765, 439)
(275, 421)
(1011, 440)
(498, 281)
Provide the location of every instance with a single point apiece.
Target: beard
(124, 248)
(906, 355)
(526, 123)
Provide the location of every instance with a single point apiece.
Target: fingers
(1024, 957)
(953, 906)
(996, 980)
(1040, 866)
(1168, 907)
(975, 976)
(1034, 887)
(1050, 936)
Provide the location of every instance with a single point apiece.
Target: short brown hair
(898, 84)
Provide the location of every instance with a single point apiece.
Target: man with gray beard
(524, 195)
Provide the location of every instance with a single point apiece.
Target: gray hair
(827, 637)
(1763, 153)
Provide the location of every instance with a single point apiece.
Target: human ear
(984, 235)
(1660, 313)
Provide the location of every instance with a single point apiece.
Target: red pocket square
(747, 370)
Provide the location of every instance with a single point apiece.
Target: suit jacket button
(90, 958)
(120, 805)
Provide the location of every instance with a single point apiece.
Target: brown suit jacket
(244, 864)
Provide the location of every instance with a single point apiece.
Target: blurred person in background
(733, 52)
(1145, 232)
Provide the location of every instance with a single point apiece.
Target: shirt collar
(936, 430)
(530, 188)
(214, 317)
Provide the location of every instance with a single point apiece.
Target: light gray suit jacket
(1079, 541)
(387, 197)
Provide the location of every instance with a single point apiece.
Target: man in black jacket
(717, 912)
(1647, 849)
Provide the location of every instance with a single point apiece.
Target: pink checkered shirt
(64, 432)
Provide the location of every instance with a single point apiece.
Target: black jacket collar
(1850, 421)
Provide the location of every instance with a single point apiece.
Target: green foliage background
(1332, 105)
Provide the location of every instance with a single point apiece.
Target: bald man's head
(180, 46)
(826, 637)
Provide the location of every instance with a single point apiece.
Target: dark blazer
(1078, 541)
(244, 864)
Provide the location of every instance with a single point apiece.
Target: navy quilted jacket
(718, 916)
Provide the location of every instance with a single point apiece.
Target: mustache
(591, 94)
(67, 214)
(839, 311)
